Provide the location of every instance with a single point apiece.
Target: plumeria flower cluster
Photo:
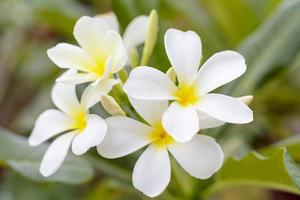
(174, 110)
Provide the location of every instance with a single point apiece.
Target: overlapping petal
(135, 33)
(151, 111)
(91, 136)
(124, 136)
(181, 122)
(201, 157)
(64, 97)
(114, 47)
(184, 51)
(70, 56)
(89, 33)
(206, 121)
(149, 84)
(152, 171)
(92, 94)
(56, 154)
(225, 108)
(111, 19)
(220, 69)
(49, 123)
(77, 78)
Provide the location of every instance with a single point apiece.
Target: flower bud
(151, 36)
(111, 106)
(246, 99)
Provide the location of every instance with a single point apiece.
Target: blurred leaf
(34, 64)
(277, 171)
(59, 15)
(183, 185)
(125, 11)
(113, 190)
(15, 187)
(16, 153)
(273, 45)
(110, 168)
(234, 17)
(244, 193)
(263, 9)
(25, 120)
(145, 6)
(292, 144)
(11, 42)
(198, 19)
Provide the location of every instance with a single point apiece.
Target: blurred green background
(266, 32)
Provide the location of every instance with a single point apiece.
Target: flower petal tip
(32, 142)
(45, 172)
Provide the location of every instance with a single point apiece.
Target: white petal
(108, 70)
(151, 111)
(206, 121)
(135, 33)
(149, 84)
(123, 137)
(220, 69)
(91, 136)
(93, 93)
(201, 157)
(225, 108)
(49, 123)
(89, 33)
(114, 47)
(64, 97)
(55, 154)
(77, 78)
(152, 171)
(70, 56)
(181, 122)
(111, 19)
(184, 51)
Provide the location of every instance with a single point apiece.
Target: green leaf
(263, 9)
(292, 144)
(113, 190)
(234, 17)
(273, 45)
(60, 16)
(15, 187)
(125, 11)
(277, 171)
(198, 20)
(17, 154)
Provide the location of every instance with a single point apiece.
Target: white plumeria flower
(80, 129)
(191, 98)
(101, 54)
(201, 157)
(135, 33)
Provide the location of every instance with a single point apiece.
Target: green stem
(123, 75)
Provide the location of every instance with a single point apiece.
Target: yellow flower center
(187, 95)
(99, 67)
(160, 137)
(80, 120)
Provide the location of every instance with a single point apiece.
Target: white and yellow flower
(191, 98)
(101, 52)
(134, 34)
(201, 157)
(77, 127)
